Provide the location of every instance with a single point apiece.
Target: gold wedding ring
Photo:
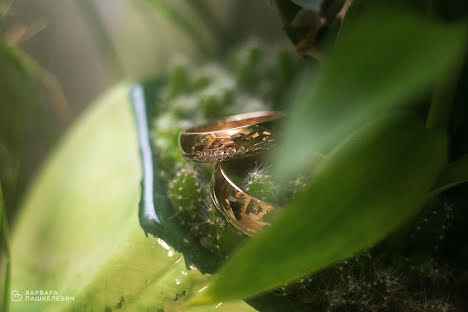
(245, 212)
(235, 137)
(239, 136)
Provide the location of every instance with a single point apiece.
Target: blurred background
(57, 56)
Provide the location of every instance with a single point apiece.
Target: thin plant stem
(6, 252)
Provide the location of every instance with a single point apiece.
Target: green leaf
(365, 189)
(78, 232)
(382, 59)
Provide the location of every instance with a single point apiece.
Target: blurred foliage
(354, 218)
(23, 114)
(17, 92)
(323, 116)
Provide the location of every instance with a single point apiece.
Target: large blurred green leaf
(383, 58)
(364, 190)
(78, 232)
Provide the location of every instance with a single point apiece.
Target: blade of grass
(366, 189)
(169, 12)
(103, 38)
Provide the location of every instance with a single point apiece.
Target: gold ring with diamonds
(235, 137)
(245, 212)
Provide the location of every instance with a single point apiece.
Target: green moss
(260, 185)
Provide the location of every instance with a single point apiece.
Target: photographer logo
(40, 295)
(16, 296)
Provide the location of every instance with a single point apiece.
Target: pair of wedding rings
(239, 136)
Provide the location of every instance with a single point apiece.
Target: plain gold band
(239, 208)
